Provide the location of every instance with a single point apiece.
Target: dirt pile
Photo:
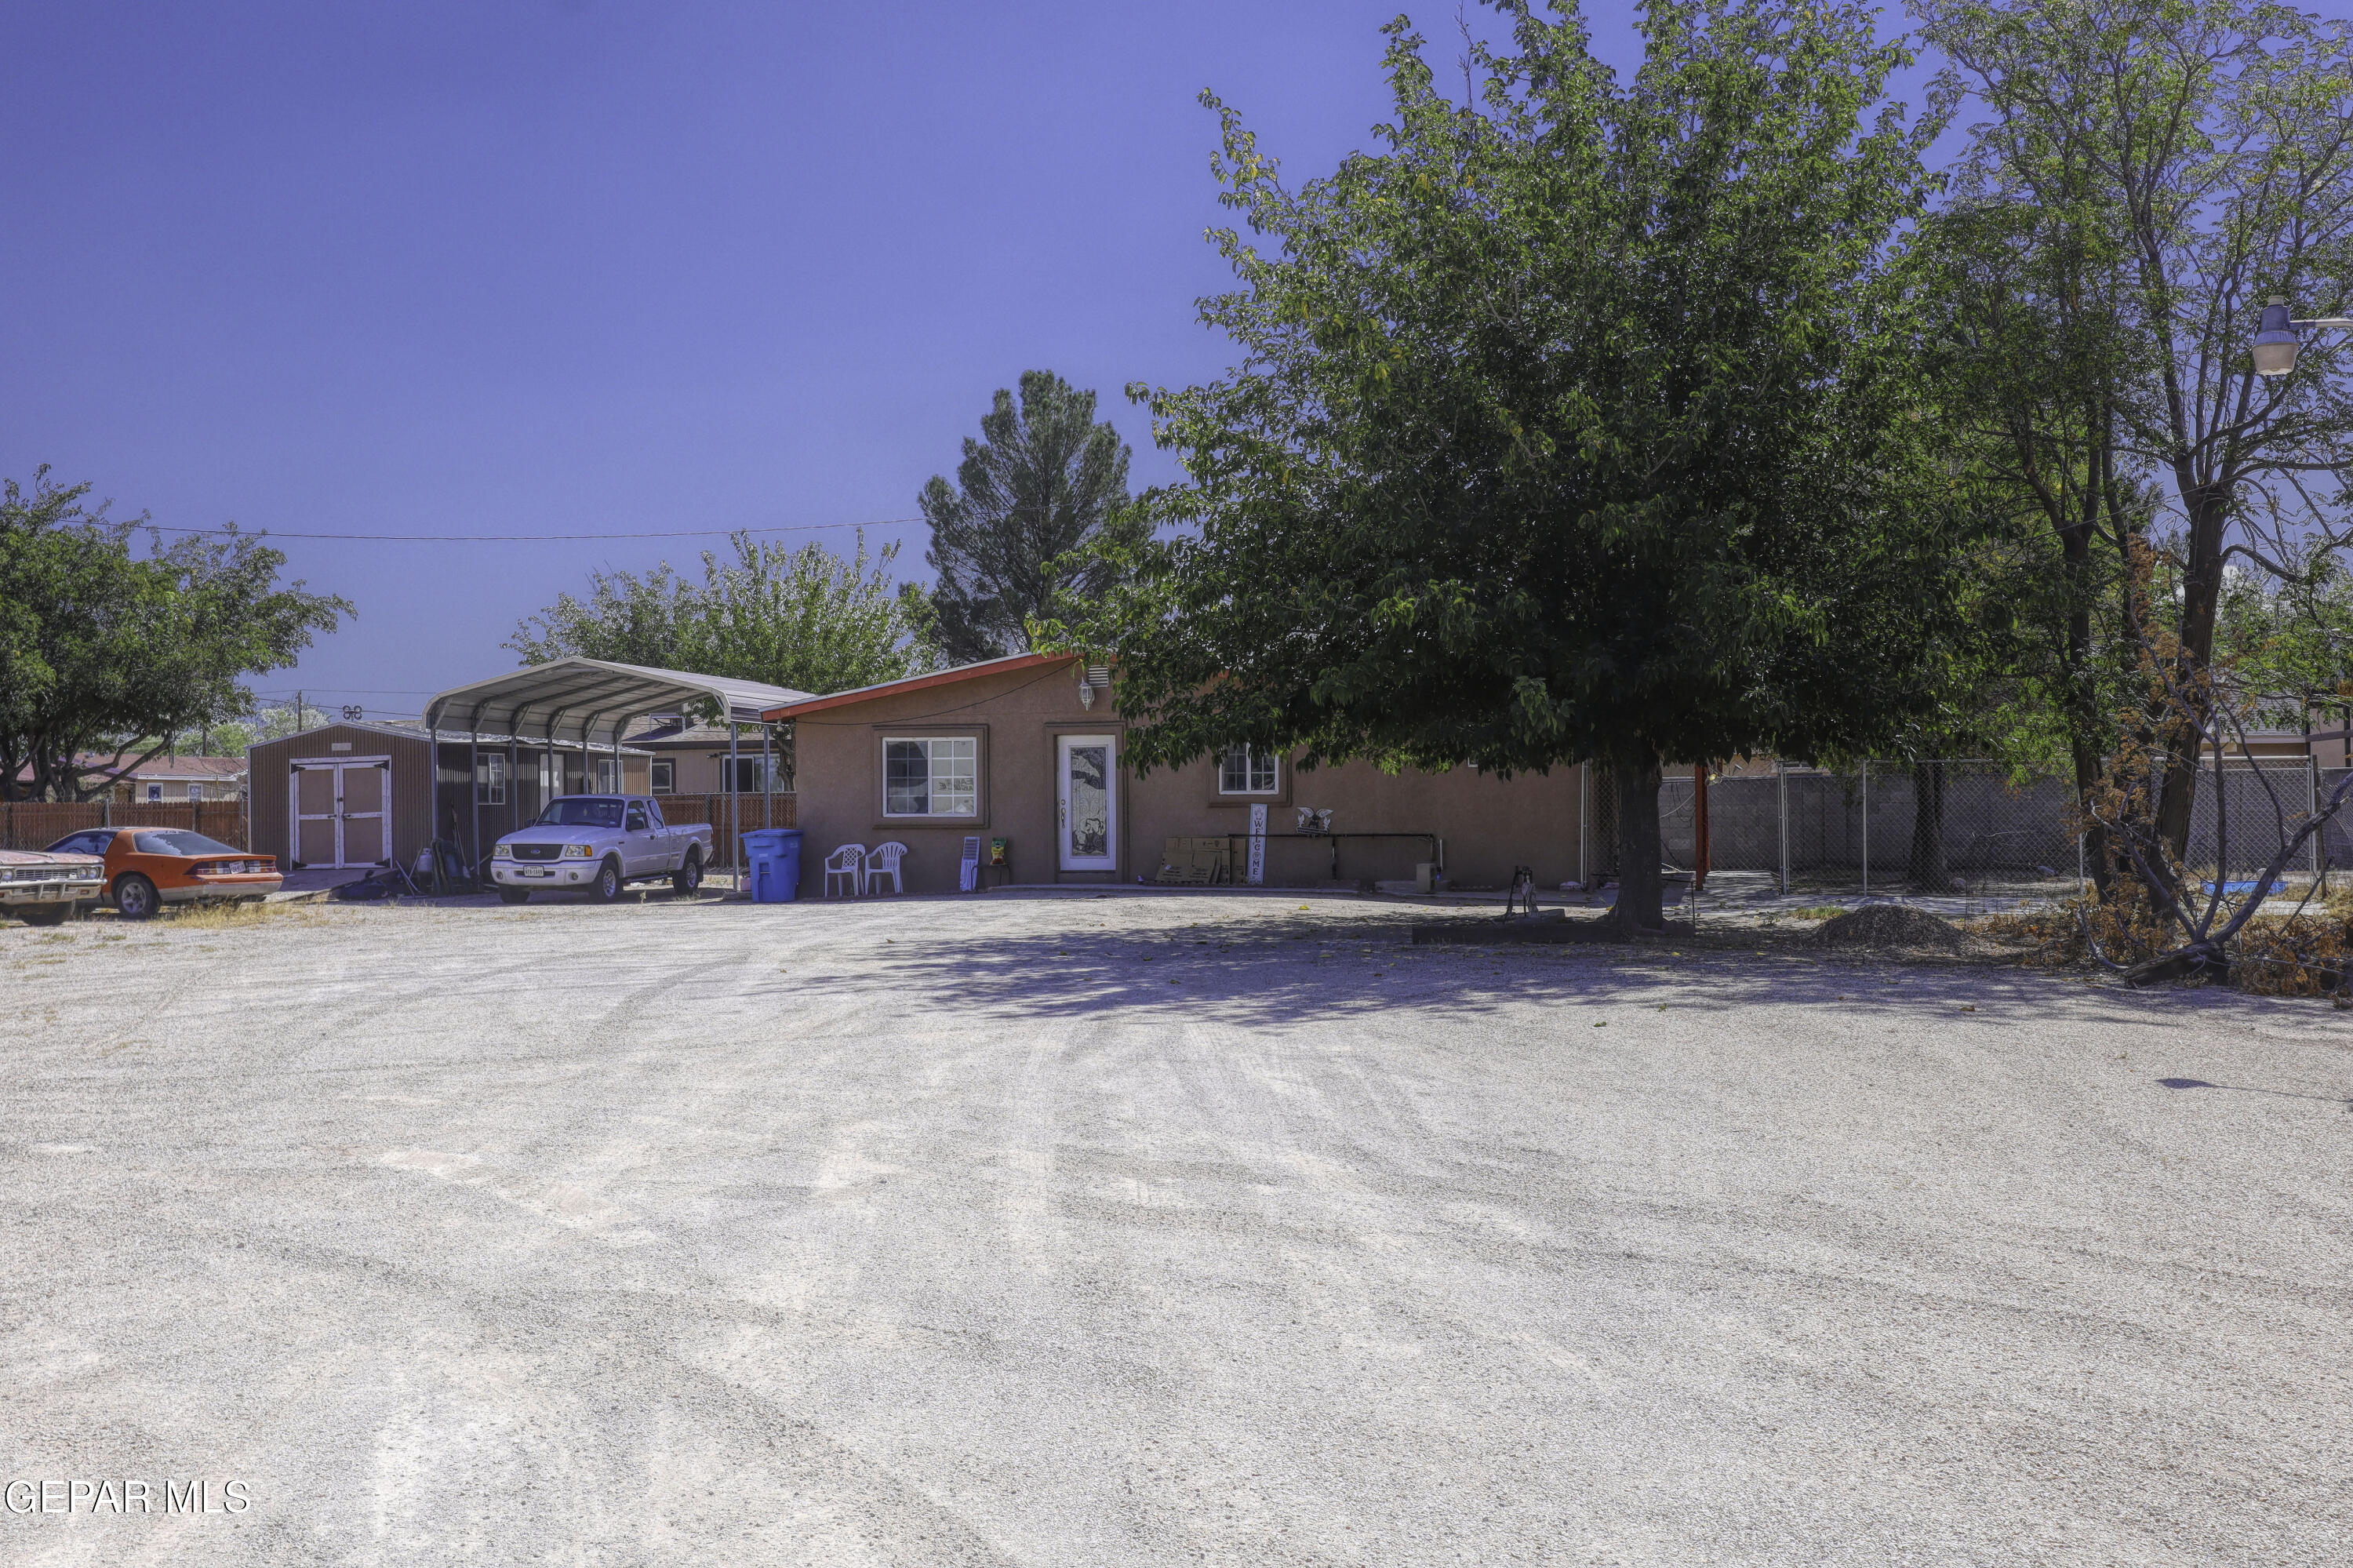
(1888, 926)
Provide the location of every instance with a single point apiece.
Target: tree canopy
(101, 646)
(1577, 422)
(805, 618)
(1037, 512)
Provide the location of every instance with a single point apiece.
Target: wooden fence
(37, 824)
(752, 813)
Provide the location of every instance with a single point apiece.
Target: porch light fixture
(2275, 344)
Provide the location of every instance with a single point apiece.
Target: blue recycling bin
(773, 858)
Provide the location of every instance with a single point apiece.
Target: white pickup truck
(599, 844)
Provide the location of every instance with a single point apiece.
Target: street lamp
(2275, 344)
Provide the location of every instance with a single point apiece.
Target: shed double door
(343, 812)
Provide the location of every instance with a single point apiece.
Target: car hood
(573, 835)
(14, 858)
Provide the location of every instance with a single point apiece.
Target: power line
(533, 538)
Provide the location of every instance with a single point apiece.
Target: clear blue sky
(588, 267)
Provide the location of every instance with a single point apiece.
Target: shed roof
(592, 699)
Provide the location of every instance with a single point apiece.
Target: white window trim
(1273, 788)
(661, 777)
(491, 780)
(972, 814)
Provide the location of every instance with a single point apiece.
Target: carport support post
(767, 774)
(1866, 827)
(474, 792)
(734, 783)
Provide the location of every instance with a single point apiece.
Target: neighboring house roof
(918, 682)
(159, 769)
(683, 734)
(586, 699)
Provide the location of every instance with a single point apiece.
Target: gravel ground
(1093, 1231)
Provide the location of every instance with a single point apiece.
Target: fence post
(2312, 784)
(1585, 828)
(1866, 827)
(1781, 793)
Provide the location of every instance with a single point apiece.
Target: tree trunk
(1929, 871)
(2186, 717)
(1635, 768)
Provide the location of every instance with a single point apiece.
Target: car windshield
(581, 812)
(175, 841)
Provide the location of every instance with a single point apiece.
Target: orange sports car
(147, 868)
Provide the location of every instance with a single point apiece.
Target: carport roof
(592, 700)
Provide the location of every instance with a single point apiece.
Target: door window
(637, 821)
(1089, 806)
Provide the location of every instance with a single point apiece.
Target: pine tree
(1042, 483)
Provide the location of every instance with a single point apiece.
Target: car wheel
(608, 881)
(689, 879)
(43, 914)
(514, 895)
(134, 896)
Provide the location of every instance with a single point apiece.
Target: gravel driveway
(1111, 1231)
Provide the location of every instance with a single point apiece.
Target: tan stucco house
(1030, 749)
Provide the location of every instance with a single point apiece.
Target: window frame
(661, 776)
(1273, 789)
(886, 736)
(490, 778)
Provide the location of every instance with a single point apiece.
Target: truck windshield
(581, 812)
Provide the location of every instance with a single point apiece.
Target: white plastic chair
(882, 860)
(968, 873)
(848, 861)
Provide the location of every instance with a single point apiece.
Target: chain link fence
(1960, 836)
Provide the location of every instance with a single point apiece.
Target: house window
(1246, 770)
(491, 780)
(155, 794)
(664, 774)
(195, 791)
(608, 775)
(751, 775)
(930, 778)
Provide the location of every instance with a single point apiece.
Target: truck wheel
(134, 896)
(43, 914)
(689, 878)
(514, 895)
(608, 881)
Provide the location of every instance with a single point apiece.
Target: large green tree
(806, 618)
(2157, 169)
(1037, 512)
(1577, 422)
(101, 646)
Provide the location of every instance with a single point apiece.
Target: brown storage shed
(348, 794)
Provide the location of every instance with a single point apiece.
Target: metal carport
(576, 702)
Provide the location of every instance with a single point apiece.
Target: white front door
(1089, 775)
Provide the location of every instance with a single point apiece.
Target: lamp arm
(2322, 320)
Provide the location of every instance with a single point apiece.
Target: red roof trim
(918, 682)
